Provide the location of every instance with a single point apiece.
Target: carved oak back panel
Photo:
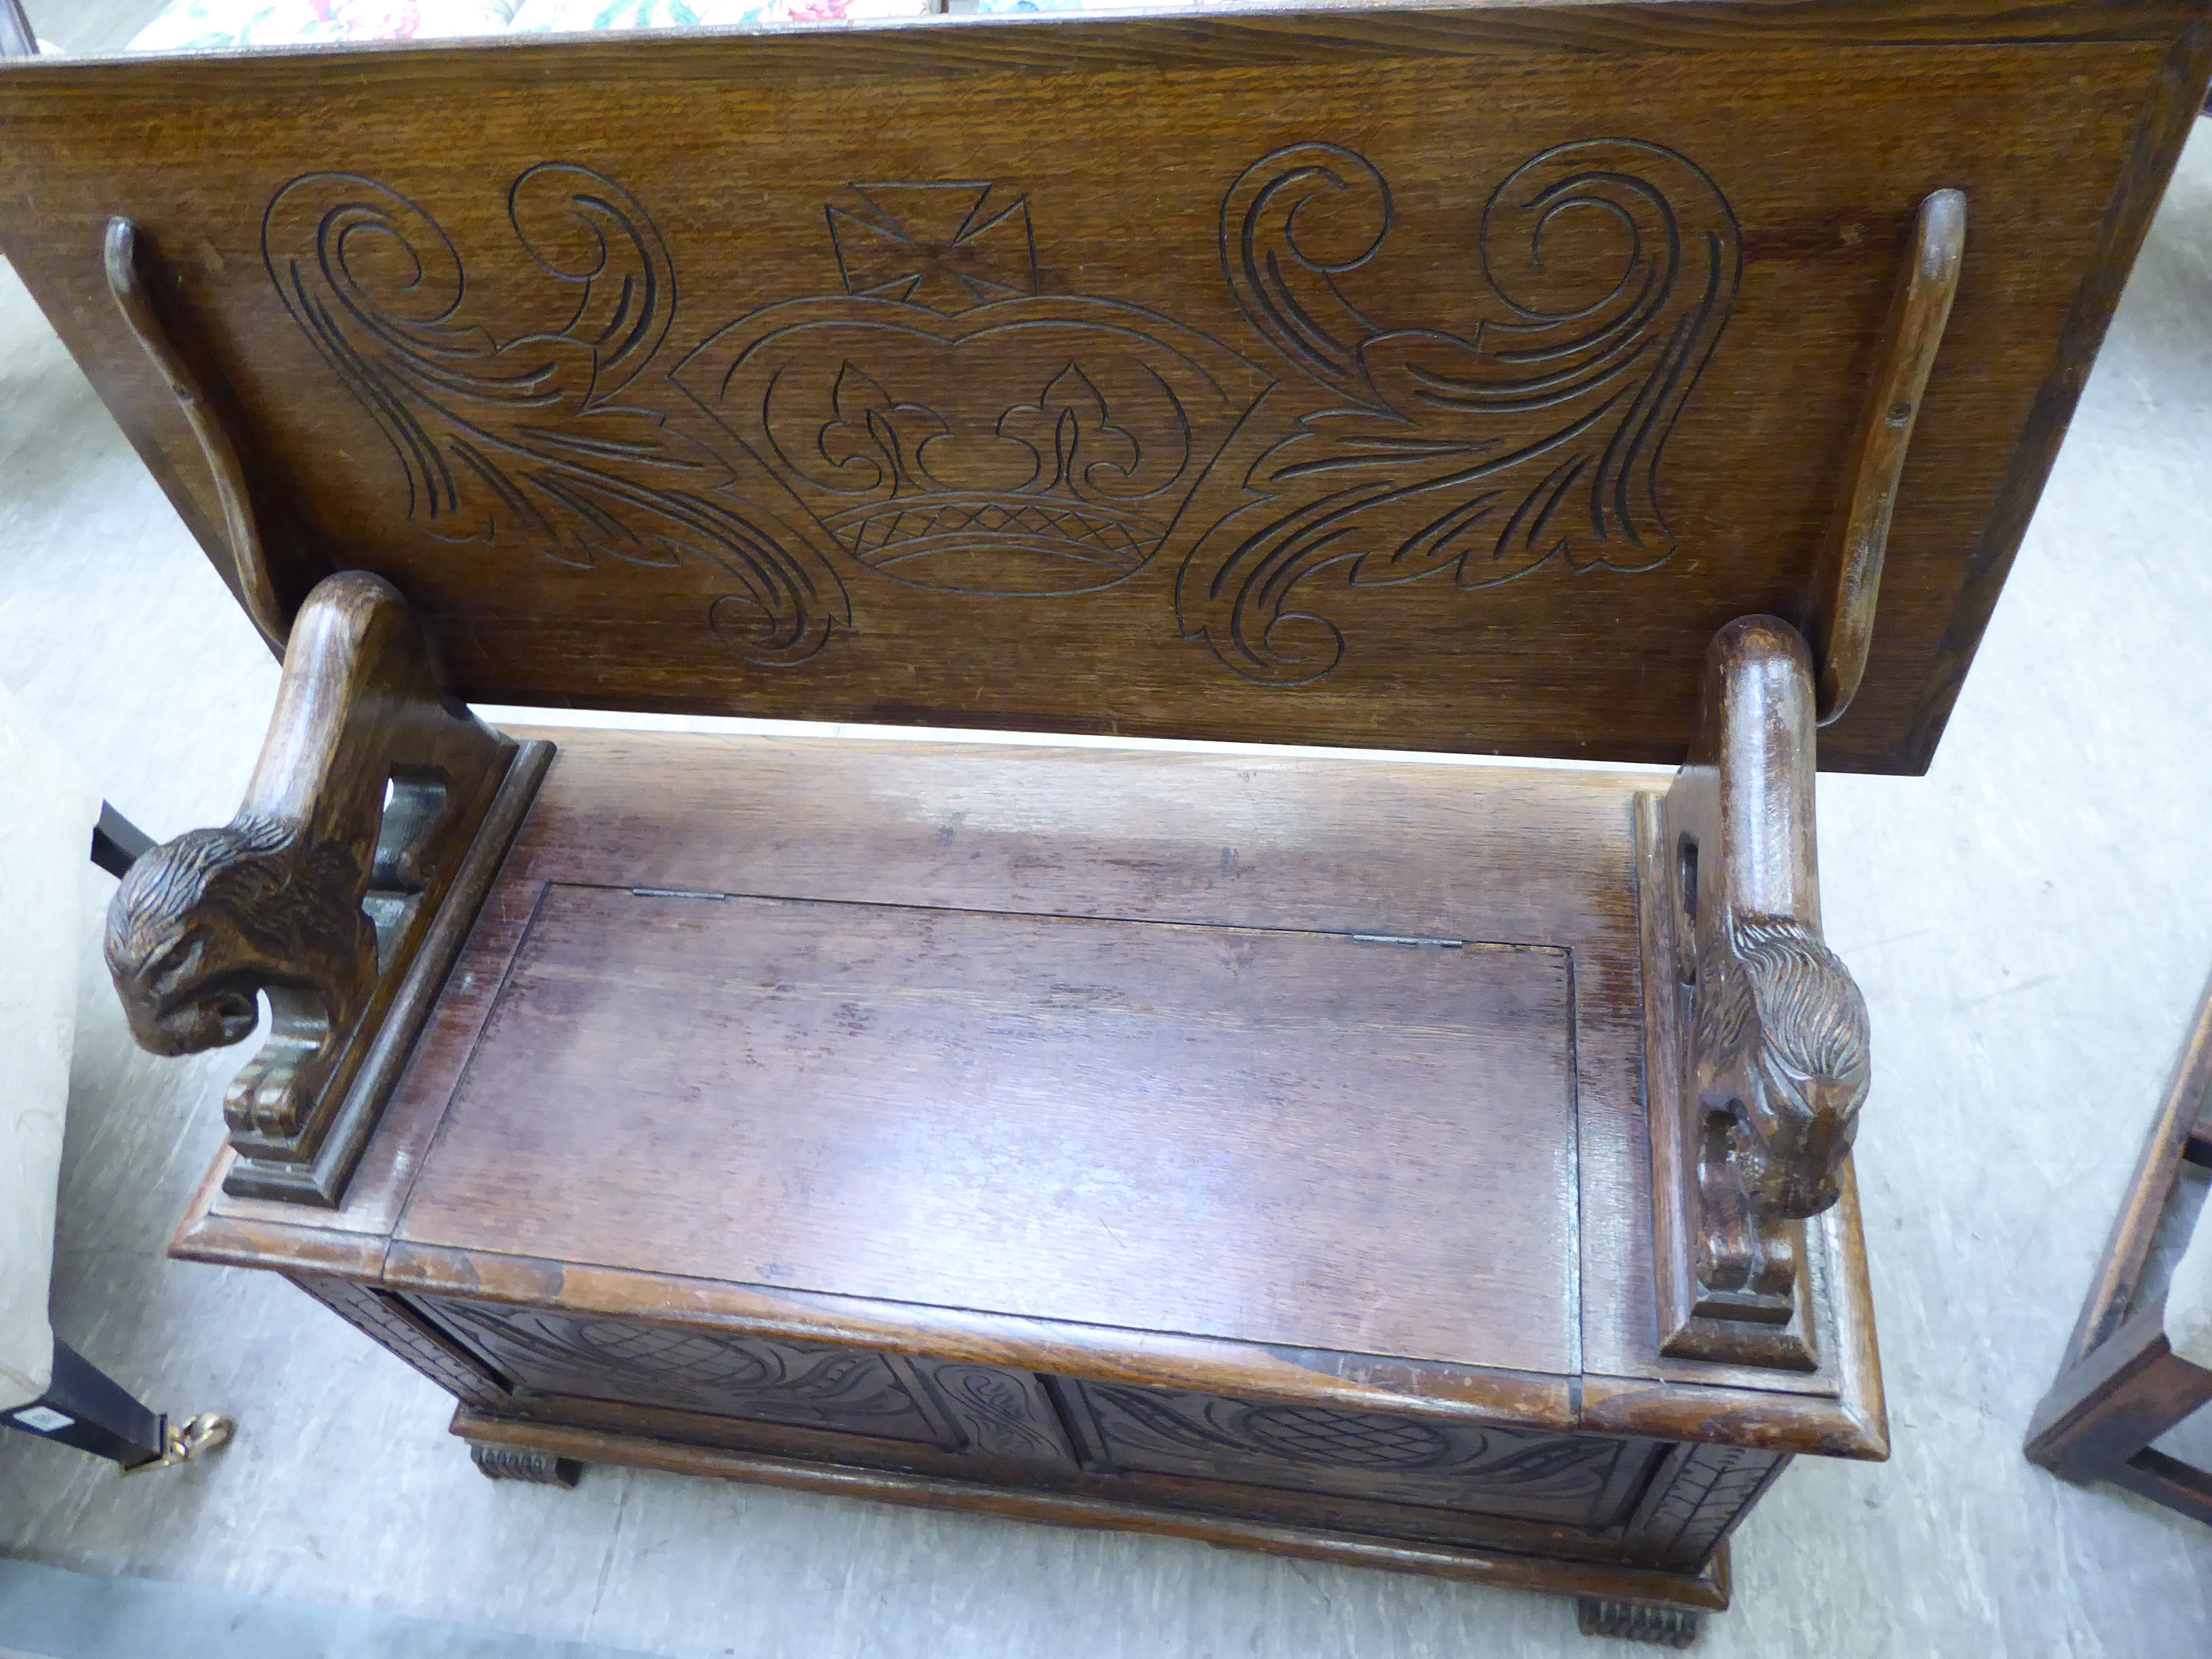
(1428, 379)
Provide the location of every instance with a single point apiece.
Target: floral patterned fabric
(240, 25)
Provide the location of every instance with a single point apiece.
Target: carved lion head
(1783, 1050)
(183, 942)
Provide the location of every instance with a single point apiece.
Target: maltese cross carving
(945, 247)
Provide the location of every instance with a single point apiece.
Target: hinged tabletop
(1433, 378)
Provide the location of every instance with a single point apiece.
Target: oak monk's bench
(1438, 1167)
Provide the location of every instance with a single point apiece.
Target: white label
(44, 1419)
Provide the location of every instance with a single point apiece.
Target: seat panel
(1278, 1136)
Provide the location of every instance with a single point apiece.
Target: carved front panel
(1581, 1479)
(695, 1371)
(997, 1413)
(1698, 1499)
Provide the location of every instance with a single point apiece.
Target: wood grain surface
(1841, 627)
(1275, 1136)
(1213, 842)
(1148, 375)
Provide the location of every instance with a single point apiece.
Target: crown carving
(946, 426)
(1029, 505)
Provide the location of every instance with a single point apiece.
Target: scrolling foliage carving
(946, 425)
(529, 438)
(1537, 438)
(999, 1413)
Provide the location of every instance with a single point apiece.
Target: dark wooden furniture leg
(2100, 1417)
(2120, 1386)
(1637, 1621)
(84, 1407)
(117, 843)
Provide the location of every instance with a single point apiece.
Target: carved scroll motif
(530, 441)
(1537, 438)
(703, 1370)
(999, 1413)
(944, 424)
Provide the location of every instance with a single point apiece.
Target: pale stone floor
(2032, 923)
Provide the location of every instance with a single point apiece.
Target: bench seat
(1435, 1163)
(1229, 1122)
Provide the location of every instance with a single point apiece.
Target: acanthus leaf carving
(523, 441)
(1537, 439)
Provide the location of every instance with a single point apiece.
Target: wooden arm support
(373, 796)
(1771, 1033)
(1849, 584)
(130, 281)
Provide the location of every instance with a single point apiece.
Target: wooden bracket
(1849, 580)
(1756, 1095)
(373, 825)
(129, 281)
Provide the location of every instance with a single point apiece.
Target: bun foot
(520, 1463)
(1637, 1621)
